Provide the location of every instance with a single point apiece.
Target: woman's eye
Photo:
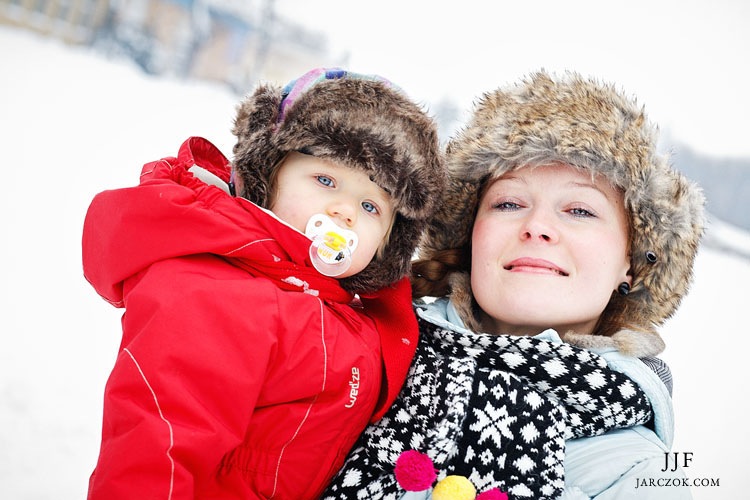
(369, 207)
(581, 212)
(325, 180)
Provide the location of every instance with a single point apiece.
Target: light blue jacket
(621, 464)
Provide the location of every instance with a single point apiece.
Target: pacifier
(332, 245)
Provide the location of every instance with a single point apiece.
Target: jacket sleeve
(183, 387)
(622, 464)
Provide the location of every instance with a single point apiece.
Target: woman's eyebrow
(588, 185)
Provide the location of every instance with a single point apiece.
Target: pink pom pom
(415, 471)
(493, 494)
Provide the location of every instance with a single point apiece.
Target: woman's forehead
(567, 175)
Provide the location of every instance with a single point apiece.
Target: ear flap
(254, 153)
(257, 113)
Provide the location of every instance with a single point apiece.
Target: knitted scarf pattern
(496, 409)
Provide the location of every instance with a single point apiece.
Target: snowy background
(73, 124)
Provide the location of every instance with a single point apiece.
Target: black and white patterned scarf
(496, 409)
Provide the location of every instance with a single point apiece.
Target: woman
(562, 242)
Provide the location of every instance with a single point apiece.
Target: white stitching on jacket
(309, 408)
(169, 425)
(247, 245)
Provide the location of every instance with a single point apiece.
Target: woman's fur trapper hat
(593, 127)
(361, 121)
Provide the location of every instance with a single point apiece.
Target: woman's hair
(431, 277)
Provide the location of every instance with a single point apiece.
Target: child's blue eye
(369, 207)
(326, 181)
(506, 206)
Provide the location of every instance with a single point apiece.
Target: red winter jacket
(243, 373)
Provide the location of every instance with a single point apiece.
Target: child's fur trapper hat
(361, 121)
(593, 127)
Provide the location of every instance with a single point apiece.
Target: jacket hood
(174, 213)
(593, 127)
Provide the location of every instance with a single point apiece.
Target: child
(262, 332)
(561, 242)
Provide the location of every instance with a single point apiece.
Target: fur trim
(628, 342)
(593, 127)
(363, 123)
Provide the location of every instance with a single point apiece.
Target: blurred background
(92, 89)
(685, 60)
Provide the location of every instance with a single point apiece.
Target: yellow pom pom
(454, 488)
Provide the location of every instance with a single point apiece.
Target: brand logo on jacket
(353, 387)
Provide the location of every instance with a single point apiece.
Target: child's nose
(344, 211)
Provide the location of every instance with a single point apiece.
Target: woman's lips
(537, 266)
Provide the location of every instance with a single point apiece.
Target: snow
(74, 125)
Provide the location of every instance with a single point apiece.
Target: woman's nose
(539, 226)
